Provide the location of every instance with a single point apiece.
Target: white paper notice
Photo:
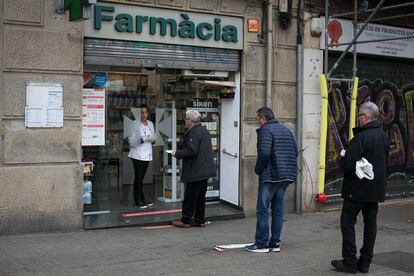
(44, 94)
(35, 117)
(93, 117)
(54, 117)
(44, 105)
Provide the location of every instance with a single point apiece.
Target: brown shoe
(195, 224)
(179, 223)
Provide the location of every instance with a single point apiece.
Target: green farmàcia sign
(145, 24)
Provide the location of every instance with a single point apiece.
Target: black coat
(371, 142)
(197, 155)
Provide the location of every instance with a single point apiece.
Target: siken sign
(145, 24)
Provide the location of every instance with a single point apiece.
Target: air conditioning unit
(205, 74)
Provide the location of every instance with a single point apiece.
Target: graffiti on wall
(396, 105)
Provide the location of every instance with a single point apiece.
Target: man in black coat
(370, 142)
(198, 167)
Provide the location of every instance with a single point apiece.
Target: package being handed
(364, 169)
(135, 138)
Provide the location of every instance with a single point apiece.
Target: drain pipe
(269, 54)
(299, 111)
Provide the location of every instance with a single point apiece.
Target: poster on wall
(44, 105)
(93, 117)
(342, 31)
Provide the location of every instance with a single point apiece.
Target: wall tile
(23, 11)
(33, 49)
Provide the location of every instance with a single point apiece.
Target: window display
(168, 96)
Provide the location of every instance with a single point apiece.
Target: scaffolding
(326, 78)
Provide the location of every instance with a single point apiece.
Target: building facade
(59, 171)
(41, 168)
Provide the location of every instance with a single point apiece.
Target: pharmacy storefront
(170, 61)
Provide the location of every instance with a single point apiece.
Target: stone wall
(253, 95)
(40, 175)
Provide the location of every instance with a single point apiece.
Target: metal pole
(375, 40)
(299, 103)
(339, 80)
(325, 68)
(392, 17)
(370, 10)
(174, 148)
(356, 37)
(354, 50)
(269, 54)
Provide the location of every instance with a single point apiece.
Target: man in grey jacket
(198, 167)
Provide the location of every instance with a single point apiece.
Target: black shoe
(149, 204)
(362, 268)
(141, 205)
(341, 267)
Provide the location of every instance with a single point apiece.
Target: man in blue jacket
(276, 167)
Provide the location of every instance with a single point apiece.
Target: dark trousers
(140, 168)
(194, 203)
(350, 211)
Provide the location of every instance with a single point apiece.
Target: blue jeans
(269, 194)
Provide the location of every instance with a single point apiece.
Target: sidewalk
(309, 242)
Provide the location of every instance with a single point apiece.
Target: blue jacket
(276, 153)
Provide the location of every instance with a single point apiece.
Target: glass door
(166, 127)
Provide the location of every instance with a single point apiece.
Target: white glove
(343, 152)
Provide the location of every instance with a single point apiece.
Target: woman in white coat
(140, 153)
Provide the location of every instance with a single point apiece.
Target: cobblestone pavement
(309, 242)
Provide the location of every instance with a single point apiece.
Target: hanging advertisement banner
(93, 117)
(342, 31)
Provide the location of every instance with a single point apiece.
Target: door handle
(228, 153)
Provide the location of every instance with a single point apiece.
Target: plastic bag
(363, 169)
(135, 139)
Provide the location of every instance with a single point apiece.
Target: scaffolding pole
(326, 77)
(355, 37)
(370, 10)
(328, 72)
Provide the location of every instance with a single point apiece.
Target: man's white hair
(193, 115)
(371, 110)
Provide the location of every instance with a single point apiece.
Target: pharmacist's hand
(151, 138)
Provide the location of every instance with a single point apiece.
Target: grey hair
(371, 110)
(193, 115)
